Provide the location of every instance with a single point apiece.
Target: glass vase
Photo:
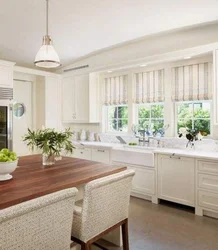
(48, 160)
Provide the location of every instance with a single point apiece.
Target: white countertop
(188, 153)
(179, 152)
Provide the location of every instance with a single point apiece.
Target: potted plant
(50, 142)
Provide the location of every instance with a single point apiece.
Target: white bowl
(6, 168)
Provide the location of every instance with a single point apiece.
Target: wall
(38, 97)
(190, 40)
(169, 105)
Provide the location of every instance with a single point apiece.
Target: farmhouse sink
(133, 156)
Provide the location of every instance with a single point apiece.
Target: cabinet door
(101, 155)
(143, 181)
(176, 179)
(6, 76)
(81, 98)
(68, 99)
(82, 153)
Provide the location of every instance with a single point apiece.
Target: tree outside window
(151, 117)
(118, 118)
(194, 116)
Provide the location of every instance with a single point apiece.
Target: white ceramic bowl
(6, 168)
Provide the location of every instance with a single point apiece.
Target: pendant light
(47, 57)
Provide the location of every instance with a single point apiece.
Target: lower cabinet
(92, 154)
(176, 179)
(207, 187)
(143, 184)
(101, 155)
(83, 153)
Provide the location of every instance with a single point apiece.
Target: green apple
(13, 156)
(3, 158)
(5, 151)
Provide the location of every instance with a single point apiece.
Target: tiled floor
(168, 227)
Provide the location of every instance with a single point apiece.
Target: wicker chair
(40, 224)
(105, 206)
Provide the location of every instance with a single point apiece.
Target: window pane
(112, 126)
(184, 111)
(203, 126)
(143, 123)
(184, 124)
(112, 112)
(123, 125)
(157, 124)
(202, 110)
(122, 112)
(144, 112)
(157, 111)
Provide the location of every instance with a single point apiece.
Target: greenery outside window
(194, 115)
(117, 118)
(151, 116)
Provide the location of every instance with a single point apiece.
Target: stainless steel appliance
(6, 118)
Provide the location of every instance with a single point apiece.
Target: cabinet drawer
(208, 200)
(209, 182)
(208, 166)
(101, 155)
(82, 153)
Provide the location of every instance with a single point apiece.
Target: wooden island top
(31, 179)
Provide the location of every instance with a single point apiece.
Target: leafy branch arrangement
(49, 141)
(191, 135)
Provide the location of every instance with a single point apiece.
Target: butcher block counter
(31, 179)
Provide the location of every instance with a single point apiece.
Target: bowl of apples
(8, 163)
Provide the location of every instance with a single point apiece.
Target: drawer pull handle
(175, 157)
(100, 150)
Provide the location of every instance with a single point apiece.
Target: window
(194, 115)
(117, 118)
(151, 116)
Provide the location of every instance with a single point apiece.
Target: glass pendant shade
(47, 57)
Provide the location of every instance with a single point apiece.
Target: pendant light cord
(47, 17)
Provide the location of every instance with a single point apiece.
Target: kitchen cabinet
(53, 102)
(80, 98)
(83, 153)
(6, 74)
(101, 155)
(143, 184)
(207, 188)
(176, 179)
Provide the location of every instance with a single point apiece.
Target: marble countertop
(179, 152)
(188, 153)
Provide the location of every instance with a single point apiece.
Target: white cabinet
(176, 179)
(207, 187)
(83, 153)
(143, 184)
(53, 102)
(6, 74)
(101, 155)
(80, 99)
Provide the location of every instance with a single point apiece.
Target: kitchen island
(31, 179)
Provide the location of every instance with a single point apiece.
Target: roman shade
(192, 82)
(116, 90)
(149, 86)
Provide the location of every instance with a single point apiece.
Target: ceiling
(81, 27)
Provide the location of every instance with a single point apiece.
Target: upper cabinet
(80, 98)
(6, 74)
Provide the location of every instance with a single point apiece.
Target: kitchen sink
(133, 156)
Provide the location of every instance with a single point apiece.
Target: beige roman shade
(116, 90)
(192, 82)
(149, 86)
